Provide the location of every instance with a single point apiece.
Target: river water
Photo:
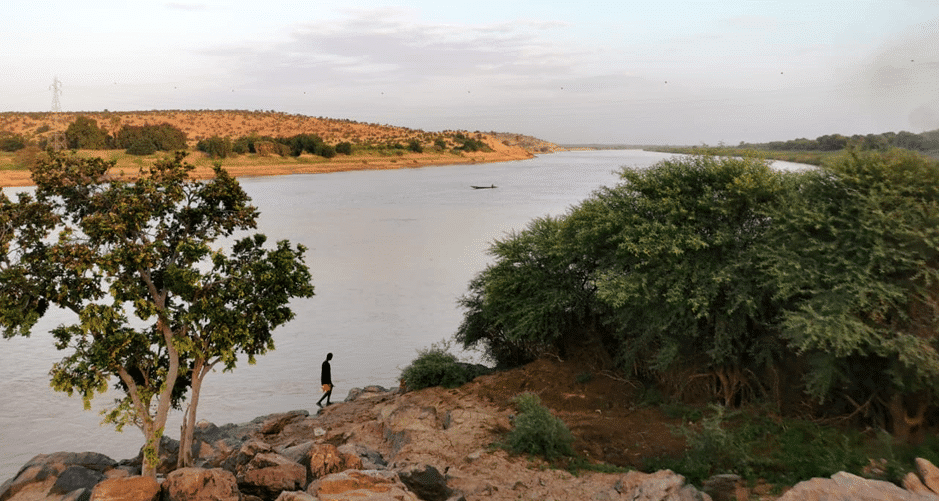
(390, 252)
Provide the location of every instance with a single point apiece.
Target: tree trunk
(158, 425)
(187, 429)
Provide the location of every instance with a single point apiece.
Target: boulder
(198, 484)
(297, 453)
(371, 459)
(369, 392)
(425, 481)
(663, 485)
(929, 474)
(843, 485)
(366, 485)
(326, 458)
(41, 473)
(127, 489)
(76, 477)
(273, 424)
(723, 487)
(268, 474)
(236, 462)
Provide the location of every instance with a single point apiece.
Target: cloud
(382, 48)
(191, 7)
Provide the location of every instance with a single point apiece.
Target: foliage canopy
(156, 303)
(750, 279)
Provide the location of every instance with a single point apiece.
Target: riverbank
(253, 165)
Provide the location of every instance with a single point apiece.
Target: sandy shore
(253, 166)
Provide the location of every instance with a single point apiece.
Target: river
(390, 252)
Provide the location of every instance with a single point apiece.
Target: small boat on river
(483, 187)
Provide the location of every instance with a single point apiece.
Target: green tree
(109, 249)
(854, 255)
(164, 137)
(216, 147)
(533, 296)
(682, 280)
(84, 134)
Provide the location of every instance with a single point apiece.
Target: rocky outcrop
(921, 487)
(429, 445)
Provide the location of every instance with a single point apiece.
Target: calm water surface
(390, 253)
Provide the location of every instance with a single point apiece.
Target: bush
(142, 146)
(85, 134)
(537, 431)
(11, 142)
(163, 137)
(344, 148)
(435, 367)
(216, 147)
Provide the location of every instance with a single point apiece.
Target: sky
(614, 72)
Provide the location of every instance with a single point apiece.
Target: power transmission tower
(57, 140)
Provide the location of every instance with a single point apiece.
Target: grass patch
(785, 451)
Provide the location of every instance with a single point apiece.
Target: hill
(374, 146)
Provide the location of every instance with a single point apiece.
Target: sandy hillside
(37, 127)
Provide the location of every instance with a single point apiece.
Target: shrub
(142, 146)
(537, 431)
(434, 367)
(344, 147)
(216, 147)
(163, 137)
(11, 142)
(84, 133)
(415, 146)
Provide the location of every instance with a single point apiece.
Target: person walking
(326, 378)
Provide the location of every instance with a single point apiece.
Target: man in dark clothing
(326, 378)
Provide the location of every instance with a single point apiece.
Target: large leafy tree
(135, 262)
(854, 256)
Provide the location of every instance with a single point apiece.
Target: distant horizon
(523, 133)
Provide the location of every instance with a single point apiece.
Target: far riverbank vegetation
(130, 146)
(789, 319)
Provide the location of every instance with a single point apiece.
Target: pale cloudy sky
(636, 72)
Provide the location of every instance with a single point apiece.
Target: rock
(76, 477)
(297, 453)
(273, 424)
(268, 474)
(912, 483)
(198, 484)
(663, 485)
(425, 481)
(369, 392)
(371, 459)
(236, 462)
(40, 473)
(929, 474)
(722, 487)
(843, 485)
(126, 489)
(295, 496)
(370, 485)
(326, 458)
